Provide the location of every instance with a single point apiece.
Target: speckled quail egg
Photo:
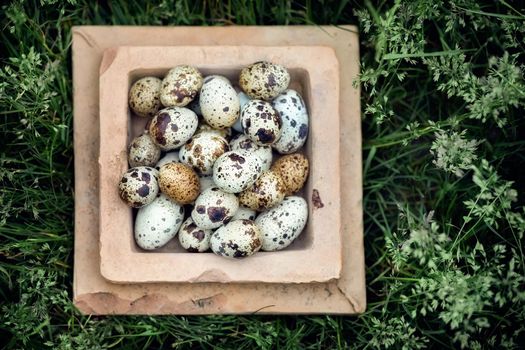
(143, 151)
(261, 122)
(244, 213)
(203, 127)
(243, 100)
(179, 182)
(235, 171)
(202, 151)
(264, 80)
(144, 96)
(168, 158)
(180, 86)
(157, 223)
(139, 186)
(266, 192)
(291, 108)
(243, 142)
(282, 224)
(194, 239)
(237, 239)
(172, 127)
(219, 102)
(293, 169)
(214, 208)
(206, 182)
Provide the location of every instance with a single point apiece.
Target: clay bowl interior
(314, 256)
(299, 81)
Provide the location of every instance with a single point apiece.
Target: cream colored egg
(292, 109)
(235, 171)
(261, 122)
(213, 208)
(144, 96)
(139, 186)
(243, 142)
(282, 224)
(219, 103)
(172, 127)
(264, 80)
(266, 192)
(143, 151)
(237, 239)
(202, 151)
(180, 86)
(194, 239)
(157, 223)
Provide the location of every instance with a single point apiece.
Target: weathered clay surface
(94, 294)
(315, 72)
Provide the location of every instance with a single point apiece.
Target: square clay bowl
(95, 295)
(315, 257)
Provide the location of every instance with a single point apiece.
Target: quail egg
(219, 102)
(235, 171)
(179, 182)
(144, 96)
(139, 186)
(293, 169)
(194, 239)
(243, 142)
(143, 151)
(264, 80)
(213, 208)
(266, 192)
(261, 122)
(172, 127)
(202, 151)
(291, 108)
(157, 223)
(180, 86)
(237, 239)
(282, 224)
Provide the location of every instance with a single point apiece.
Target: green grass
(443, 97)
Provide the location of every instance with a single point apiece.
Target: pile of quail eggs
(209, 150)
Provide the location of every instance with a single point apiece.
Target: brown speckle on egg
(214, 208)
(143, 151)
(179, 182)
(144, 96)
(193, 238)
(268, 191)
(138, 186)
(237, 239)
(264, 80)
(293, 169)
(180, 86)
(202, 151)
(172, 127)
(261, 122)
(219, 102)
